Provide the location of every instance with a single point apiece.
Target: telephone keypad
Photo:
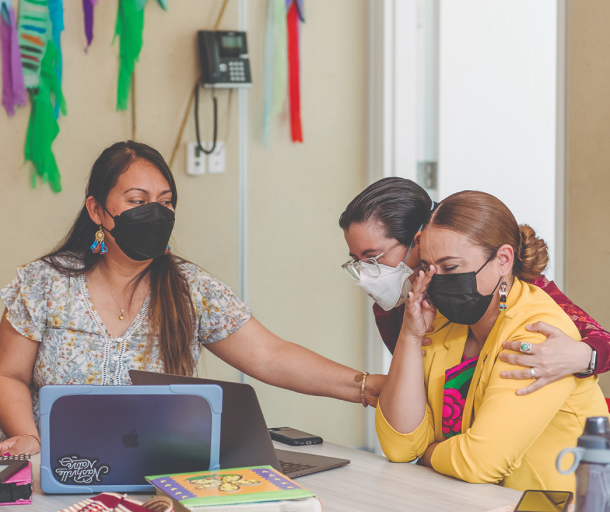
(237, 71)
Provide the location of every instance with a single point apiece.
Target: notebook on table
(15, 480)
(244, 439)
(108, 438)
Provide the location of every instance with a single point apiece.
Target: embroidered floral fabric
(390, 322)
(457, 383)
(75, 348)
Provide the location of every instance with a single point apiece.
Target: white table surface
(370, 483)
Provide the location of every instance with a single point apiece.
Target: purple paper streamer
(88, 6)
(88, 10)
(13, 88)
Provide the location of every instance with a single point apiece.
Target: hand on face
(419, 309)
(465, 286)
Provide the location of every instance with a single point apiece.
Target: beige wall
(296, 191)
(588, 159)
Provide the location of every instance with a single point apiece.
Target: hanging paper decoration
(276, 62)
(162, 3)
(34, 32)
(295, 13)
(129, 27)
(39, 22)
(43, 127)
(88, 7)
(13, 89)
(56, 14)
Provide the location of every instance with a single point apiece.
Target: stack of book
(254, 489)
(15, 480)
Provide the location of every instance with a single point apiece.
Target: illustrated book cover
(229, 486)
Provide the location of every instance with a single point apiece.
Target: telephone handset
(224, 60)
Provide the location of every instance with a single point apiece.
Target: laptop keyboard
(292, 467)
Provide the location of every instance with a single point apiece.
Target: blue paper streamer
(56, 13)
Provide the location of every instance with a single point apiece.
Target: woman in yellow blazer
(455, 410)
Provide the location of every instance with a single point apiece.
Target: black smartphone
(293, 436)
(544, 501)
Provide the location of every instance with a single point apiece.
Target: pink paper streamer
(13, 88)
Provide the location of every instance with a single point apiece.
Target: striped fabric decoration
(35, 30)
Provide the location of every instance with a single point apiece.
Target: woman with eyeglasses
(455, 411)
(382, 228)
(112, 297)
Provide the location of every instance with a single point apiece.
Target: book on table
(15, 480)
(253, 489)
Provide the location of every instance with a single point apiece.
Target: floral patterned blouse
(75, 347)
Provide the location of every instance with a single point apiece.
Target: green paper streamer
(43, 127)
(129, 27)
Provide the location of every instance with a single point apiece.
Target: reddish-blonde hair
(490, 224)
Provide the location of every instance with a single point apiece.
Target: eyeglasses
(368, 266)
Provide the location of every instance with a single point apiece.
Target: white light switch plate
(216, 160)
(195, 160)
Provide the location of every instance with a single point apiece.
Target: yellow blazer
(505, 438)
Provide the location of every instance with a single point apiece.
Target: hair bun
(532, 255)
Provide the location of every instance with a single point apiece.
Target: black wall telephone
(224, 60)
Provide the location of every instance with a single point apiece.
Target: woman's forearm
(299, 369)
(16, 416)
(403, 399)
(257, 352)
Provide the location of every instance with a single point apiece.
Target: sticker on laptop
(80, 470)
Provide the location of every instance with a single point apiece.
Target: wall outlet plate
(216, 160)
(195, 159)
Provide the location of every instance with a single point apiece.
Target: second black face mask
(457, 298)
(143, 232)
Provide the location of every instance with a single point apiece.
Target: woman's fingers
(544, 328)
(519, 374)
(6, 445)
(426, 341)
(19, 445)
(515, 346)
(534, 386)
(419, 289)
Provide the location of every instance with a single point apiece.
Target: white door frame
(392, 125)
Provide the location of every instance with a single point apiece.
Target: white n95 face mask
(390, 288)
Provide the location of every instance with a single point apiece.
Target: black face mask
(457, 298)
(143, 232)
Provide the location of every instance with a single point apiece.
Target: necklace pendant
(121, 315)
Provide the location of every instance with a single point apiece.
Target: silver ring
(532, 373)
(525, 347)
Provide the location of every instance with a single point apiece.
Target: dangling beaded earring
(99, 244)
(167, 250)
(503, 295)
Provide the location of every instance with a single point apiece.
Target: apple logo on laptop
(131, 440)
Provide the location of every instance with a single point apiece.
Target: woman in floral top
(112, 298)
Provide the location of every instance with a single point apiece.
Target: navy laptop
(108, 438)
